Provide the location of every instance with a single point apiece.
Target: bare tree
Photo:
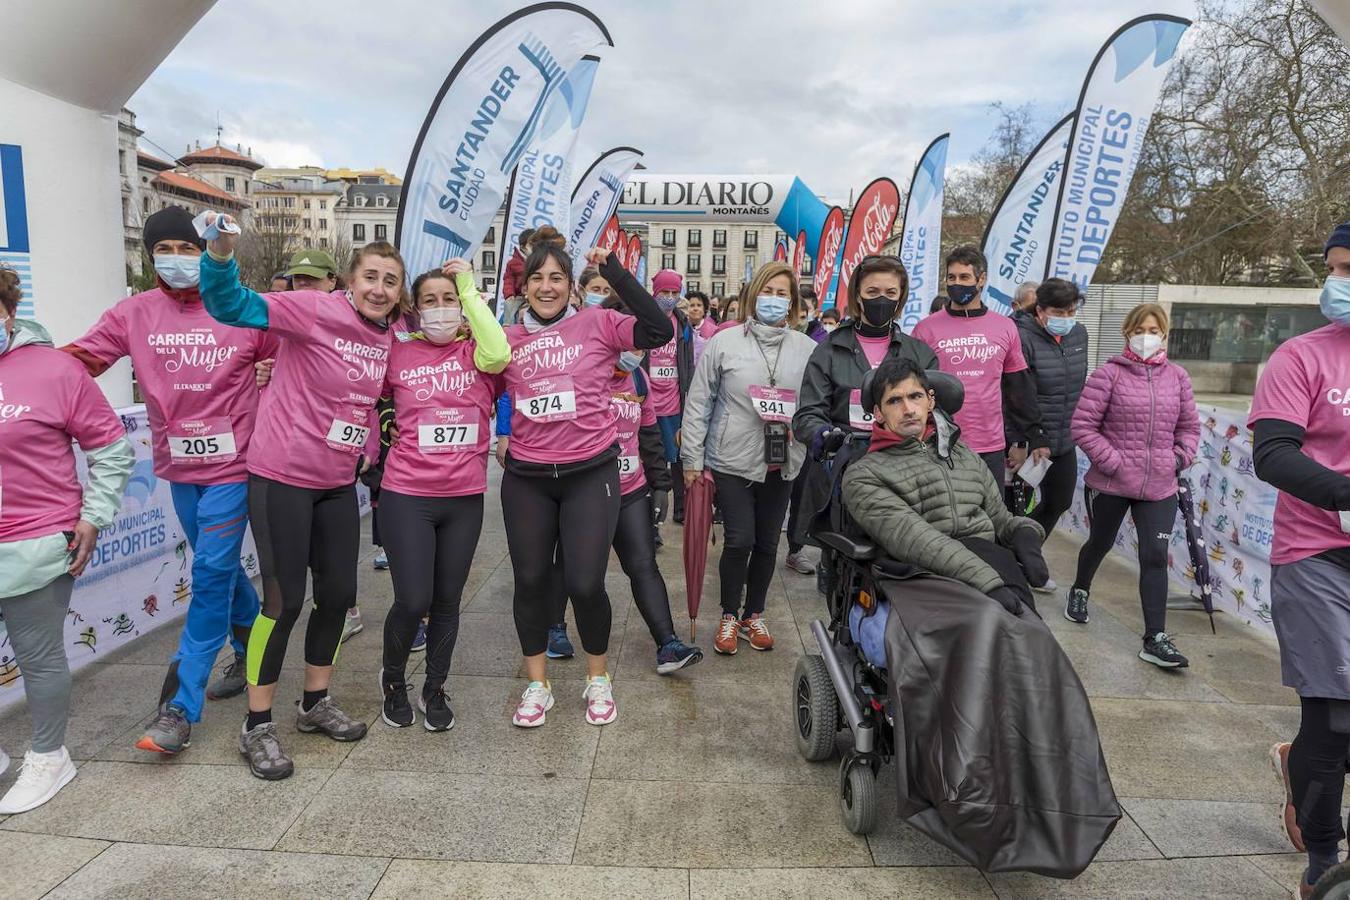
(974, 189)
(266, 246)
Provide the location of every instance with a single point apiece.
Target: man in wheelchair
(930, 501)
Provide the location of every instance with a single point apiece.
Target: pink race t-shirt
(1307, 383)
(663, 381)
(196, 376)
(707, 328)
(728, 324)
(631, 415)
(442, 405)
(318, 412)
(47, 399)
(874, 348)
(559, 379)
(979, 350)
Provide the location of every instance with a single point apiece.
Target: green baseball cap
(312, 263)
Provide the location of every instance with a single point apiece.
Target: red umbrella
(698, 515)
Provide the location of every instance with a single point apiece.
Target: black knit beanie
(1340, 237)
(172, 223)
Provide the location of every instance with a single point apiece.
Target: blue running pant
(224, 603)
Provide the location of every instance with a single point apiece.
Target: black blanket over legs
(997, 751)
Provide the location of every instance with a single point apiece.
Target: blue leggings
(224, 603)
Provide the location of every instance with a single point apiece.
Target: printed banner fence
(1114, 110)
(1017, 238)
(485, 117)
(140, 575)
(921, 234)
(1237, 512)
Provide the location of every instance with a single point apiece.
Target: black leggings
(1317, 763)
(636, 549)
(431, 541)
(299, 531)
(752, 516)
(1154, 521)
(576, 512)
(1057, 489)
(795, 510)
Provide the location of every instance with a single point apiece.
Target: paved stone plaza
(696, 791)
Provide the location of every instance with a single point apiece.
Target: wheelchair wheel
(815, 709)
(858, 796)
(1334, 884)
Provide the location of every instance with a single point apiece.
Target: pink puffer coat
(1136, 422)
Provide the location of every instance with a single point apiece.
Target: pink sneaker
(599, 697)
(534, 703)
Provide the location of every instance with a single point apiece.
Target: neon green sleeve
(109, 469)
(491, 352)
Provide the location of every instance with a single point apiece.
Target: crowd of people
(611, 403)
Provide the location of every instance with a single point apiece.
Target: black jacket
(836, 370)
(1060, 368)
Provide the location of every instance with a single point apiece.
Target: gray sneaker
(169, 733)
(230, 683)
(326, 717)
(262, 749)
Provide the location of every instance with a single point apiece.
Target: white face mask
(1145, 345)
(439, 323)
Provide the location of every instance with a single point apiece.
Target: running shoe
(1279, 759)
(420, 639)
(534, 703)
(327, 718)
(1048, 588)
(725, 642)
(262, 749)
(435, 707)
(756, 632)
(1159, 650)
(381, 559)
(675, 655)
(1076, 606)
(41, 776)
(231, 682)
(599, 697)
(352, 626)
(397, 712)
(169, 733)
(559, 645)
(798, 563)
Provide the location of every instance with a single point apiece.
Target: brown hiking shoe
(756, 632)
(726, 635)
(1279, 759)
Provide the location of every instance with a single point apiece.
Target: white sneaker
(4, 761)
(40, 777)
(1048, 588)
(599, 697)
(534, 703)
(352, 625)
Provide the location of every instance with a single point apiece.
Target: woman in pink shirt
(310, 441)
(48, 525)
(440, 379)
(561, 486)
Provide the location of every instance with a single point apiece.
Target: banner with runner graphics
(1114, 111)
(483, 120)
(1237, 513)
(1017, 238)
(140, 575)
(921, 234)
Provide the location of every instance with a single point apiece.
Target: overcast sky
(837, 93)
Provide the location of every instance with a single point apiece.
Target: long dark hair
(548, 244)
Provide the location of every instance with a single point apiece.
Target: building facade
(713, 257)
(304, 207)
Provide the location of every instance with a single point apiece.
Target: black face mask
(962, 294)
(880, 311)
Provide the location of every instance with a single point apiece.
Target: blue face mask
(593, 299)
(178, 271)
(1060, 325)
(628, 361)
(1335, 300)
(961, 294)
(770, 309)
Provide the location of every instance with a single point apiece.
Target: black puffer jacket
(1060, 369)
